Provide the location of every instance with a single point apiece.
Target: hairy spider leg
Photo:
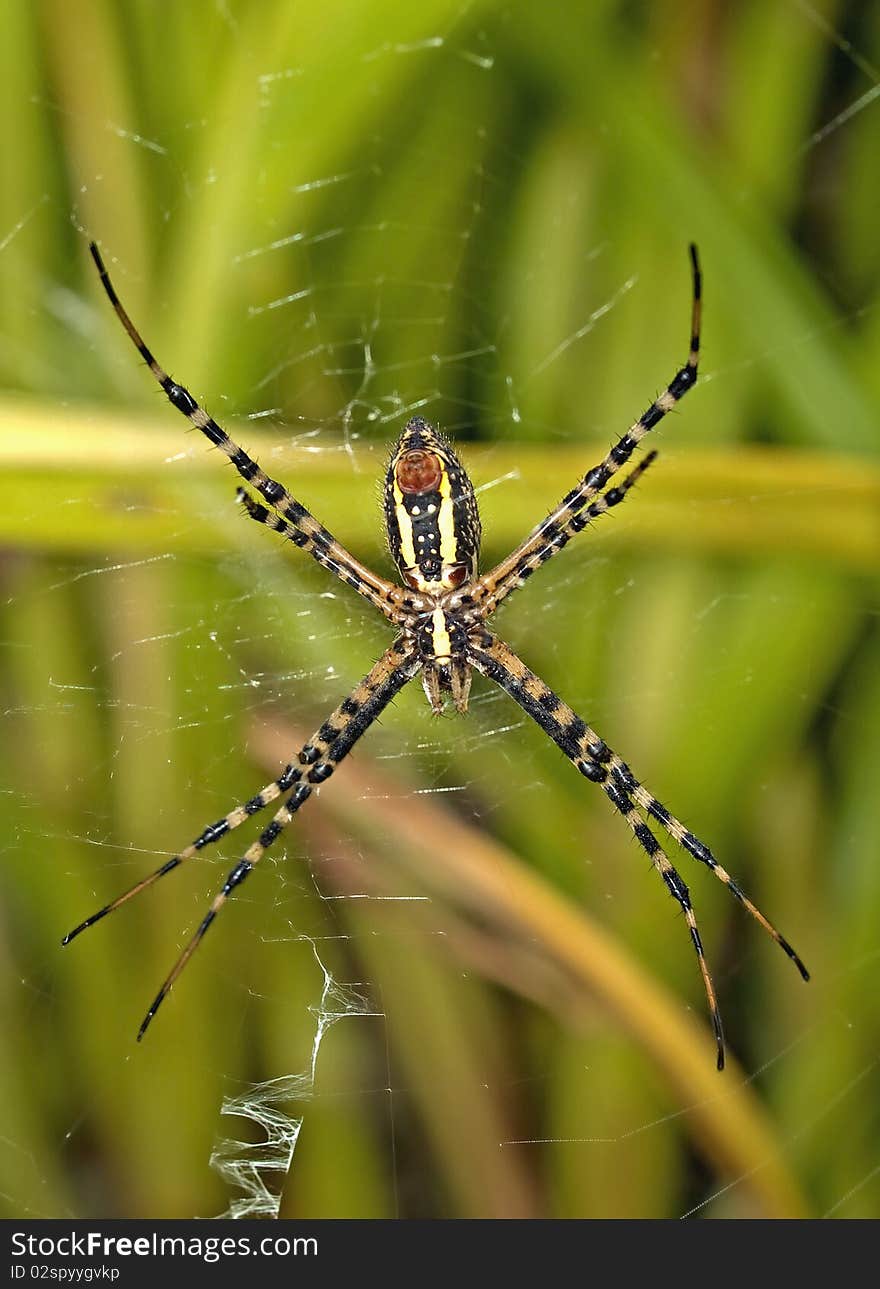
(308, 533)
(607, 501)
(545, 540)
(391, 606)
(598, 763)
(317, 761)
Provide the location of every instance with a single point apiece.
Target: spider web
(188, 670)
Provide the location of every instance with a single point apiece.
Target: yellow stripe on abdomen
(446, 521)
(405, 529)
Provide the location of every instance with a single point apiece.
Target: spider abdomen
(431, 512)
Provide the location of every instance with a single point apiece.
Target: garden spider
(440, 614)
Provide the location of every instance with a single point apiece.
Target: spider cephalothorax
(439, 616)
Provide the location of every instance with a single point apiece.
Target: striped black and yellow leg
(388, 600)
(331, 742)
(620, 773)
(495, 592)
(290, 775)
(545, 534)
(311, 536)
(598, 763)
(679, 892)
(315, 763)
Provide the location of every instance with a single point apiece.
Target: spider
(439, 614)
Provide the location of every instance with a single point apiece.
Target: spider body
(431, 515)
(439, 616)
(433, 527)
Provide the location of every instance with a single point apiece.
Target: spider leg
(598, 763)
(290, 775)
(623, 776)
(495, 592)
(541, 543)
(317, 760)
(679, 892)
(388, 600)
(332, 741)
(310, 535)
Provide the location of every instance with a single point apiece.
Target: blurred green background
(457, 989)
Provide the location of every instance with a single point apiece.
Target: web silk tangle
(439, 614)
